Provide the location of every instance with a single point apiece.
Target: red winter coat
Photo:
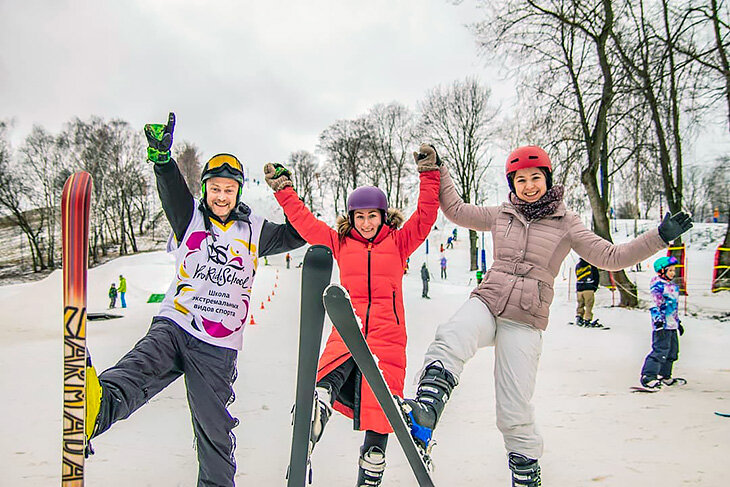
(372, 273)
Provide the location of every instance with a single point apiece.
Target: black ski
(724, 415)
(316, 274)
(338, 306)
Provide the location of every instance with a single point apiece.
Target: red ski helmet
(528, 156)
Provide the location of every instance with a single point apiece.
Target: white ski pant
(517, 349)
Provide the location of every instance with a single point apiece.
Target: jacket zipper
(509, 226)
(367, 313)
(395, 311)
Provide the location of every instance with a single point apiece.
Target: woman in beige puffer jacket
(532, 233)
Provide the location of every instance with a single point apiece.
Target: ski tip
(722, 415)
(334, 289)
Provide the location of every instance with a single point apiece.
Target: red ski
(75, 238)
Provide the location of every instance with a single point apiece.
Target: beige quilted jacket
(527, 255)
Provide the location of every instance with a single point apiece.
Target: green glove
(159, 138)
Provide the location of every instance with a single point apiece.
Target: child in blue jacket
(657, 368)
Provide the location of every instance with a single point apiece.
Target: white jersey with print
(215, 270)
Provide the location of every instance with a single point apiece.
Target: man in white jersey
(217, 243)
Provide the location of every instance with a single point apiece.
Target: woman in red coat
(371, 249)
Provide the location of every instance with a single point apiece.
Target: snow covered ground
(596, 432)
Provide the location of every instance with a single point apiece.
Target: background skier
(425, 277)
(532, 233)
(657, 369)
(112, 296)
(371, 251)
(199, 329)
(122, 290)
(586, 284)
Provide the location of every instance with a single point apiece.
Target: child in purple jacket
(665, 322)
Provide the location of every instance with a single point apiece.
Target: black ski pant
(334, 382)
(424, 292)
(664, 351)
(165, 353)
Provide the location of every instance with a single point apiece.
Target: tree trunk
(473, 251)
(602, 228)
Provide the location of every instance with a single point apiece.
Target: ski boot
(93, 404)
(423, 412)
(372, 467)
(673, 381)
(525, 471)
(651, 382)
(595, 324)
(580, 321)
(320, 415)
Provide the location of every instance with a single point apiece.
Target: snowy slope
(596, 432)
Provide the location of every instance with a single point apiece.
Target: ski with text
(339, 309)
(316, 274)
(75, 201)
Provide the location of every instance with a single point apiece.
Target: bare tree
(304, 168)
(561, 53)
(695, 192)
(646, 43)
(391, 144)
(42, 155)
(188, 160)
(459, 120)
(13, 191)
(344, 144)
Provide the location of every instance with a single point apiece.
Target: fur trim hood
(394, 219)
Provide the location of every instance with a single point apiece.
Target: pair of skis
(334, 299)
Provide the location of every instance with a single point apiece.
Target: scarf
(545, 206)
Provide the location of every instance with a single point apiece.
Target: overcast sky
(258, 79)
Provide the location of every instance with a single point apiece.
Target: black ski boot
(525, 471)
(424, 411)
(320, 415)
(372, 467)
(651, 382)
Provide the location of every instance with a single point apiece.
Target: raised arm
(467, 215)
(605, 255)
(418, 226)
(311, 229)
(177, 202)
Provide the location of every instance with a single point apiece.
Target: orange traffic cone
(268, 298)
(252, 322)
(275, 285)
(262, 305)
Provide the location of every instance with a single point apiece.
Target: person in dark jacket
(425, 277)
(217, 243)
(112, 296)
(586, 284)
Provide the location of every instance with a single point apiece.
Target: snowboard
(339, 309)
(316, 274)
(602, 327)
(724, 415)
(75, 201)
